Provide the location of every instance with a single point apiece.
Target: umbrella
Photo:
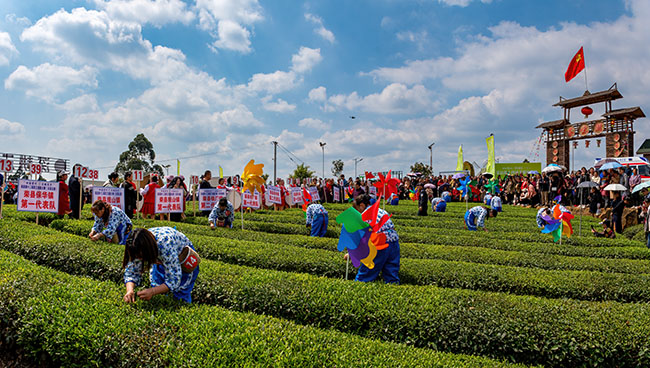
(641, 186)
(553, 168)
(602, 162)
(610, 165)
(488, 175)
(587, 184)
(458, 176)
(429, 185)
(533, 172)
(615, 188)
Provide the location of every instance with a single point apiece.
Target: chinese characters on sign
(23, 163)
(208, 198)
(169, 200)
(296, 195)
(337, 194)
(114, 196)
(38, 196)
(314, 194)
(275, 195)
(251, 200)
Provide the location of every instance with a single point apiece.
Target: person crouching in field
(222, 215)
(173, 263)
(438, 205)
(111, 223)
(475, 217)
(317, 220)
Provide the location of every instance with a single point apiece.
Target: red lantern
(586, 111)
(587, 143)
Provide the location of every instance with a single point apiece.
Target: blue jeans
(386, 262)
(647, 240)
(319, 225)
(470, 221)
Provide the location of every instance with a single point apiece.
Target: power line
(291, 153)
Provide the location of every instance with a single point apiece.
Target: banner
(38, 196)
(490, 147)
(459, 162)
(251, 200)
(114, 196)
(275, 194)
(314, 194)
(373, 190)
(169, 200)
(337, 194)
(296, 195)
(208, 198)
(503, 169)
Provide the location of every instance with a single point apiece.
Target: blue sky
(224, 78)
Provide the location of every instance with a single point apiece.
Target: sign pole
(347, 266)
(194, 198)
(2, 196)
(241, 207)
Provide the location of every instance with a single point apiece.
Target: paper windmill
(386, 185)
(559, 224)
(252, 177)
(361, 239)
(464, 186)
(493, 186)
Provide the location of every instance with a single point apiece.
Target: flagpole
(584, 59)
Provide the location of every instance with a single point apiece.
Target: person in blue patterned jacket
(111, 223)
(317, 220)
(159, 249)
(222, 215)
(475, 217)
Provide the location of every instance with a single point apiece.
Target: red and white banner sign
(251, 200)
(138, 175)
(6, 165)
(337, 193)
(208, 198)
(275, 195)
(86, 173)
(373, 190)
(114, 196)
(314, 194)
(169, 200)
(296, 195)
(35, 169)
(38, 196)
(194, 180)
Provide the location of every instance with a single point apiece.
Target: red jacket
(64, 198)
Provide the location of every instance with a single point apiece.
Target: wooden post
(2, 192)
(81, 195)
(194, 198)
(137, 194)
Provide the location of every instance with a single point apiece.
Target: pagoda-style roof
(553, 124)
(629, 112)
(645, 148)
(589, 98)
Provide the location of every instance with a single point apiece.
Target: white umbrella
(615, 188)
(553, 168)
(641, 186)
(587, 184)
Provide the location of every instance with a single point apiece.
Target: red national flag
(575, 66)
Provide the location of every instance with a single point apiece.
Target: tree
(302, 172)
(421, 168)
(337, 167)
(139, 156)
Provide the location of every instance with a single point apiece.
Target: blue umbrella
(610, 165)
(533, 172)
(641, 186)
(458, 176)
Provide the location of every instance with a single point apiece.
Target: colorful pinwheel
(559, 224)
(361, 239)
(252, 177)
(464, 186)
(493, 186)
(386, 185)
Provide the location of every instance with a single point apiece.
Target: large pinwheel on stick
(386, 185)
(252, 178)
(362, 240)
(493, 187)
(464, 190)
(560, 223)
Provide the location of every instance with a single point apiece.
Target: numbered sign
(208, 198)
(35, 169)
(38, 196)
(194, 180)
(138, 175)
(275, 195)
(86, 173)
(114, 196)
(6, 165)
(169, 200)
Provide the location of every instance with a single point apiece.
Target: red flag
(575, 66)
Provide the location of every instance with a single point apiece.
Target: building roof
(590, 98)
(645, 148)
(553, 124)
(631, 112)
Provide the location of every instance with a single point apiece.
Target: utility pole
(322, 145)
(356, 161)
(431, 157)
(275, 162)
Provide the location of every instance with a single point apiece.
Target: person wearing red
(64, 195)
(149, 193)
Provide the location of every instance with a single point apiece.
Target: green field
(270, 295)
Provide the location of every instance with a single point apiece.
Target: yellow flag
(490, 168)
(178, 167)
(459, 163)
(220, 172)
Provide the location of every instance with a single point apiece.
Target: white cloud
(461, 3)
(21, 21)
(7, 48)
(318, 94)
(230, 19)
(320, 29)
(156, 12)
(312, 124)
(275, 82)
(233, 36)
(277, 106)
(83, 103)
(47, 81)
(396, 98)
(305, 59)
(9, 128)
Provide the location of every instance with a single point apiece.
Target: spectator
(112, 180)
